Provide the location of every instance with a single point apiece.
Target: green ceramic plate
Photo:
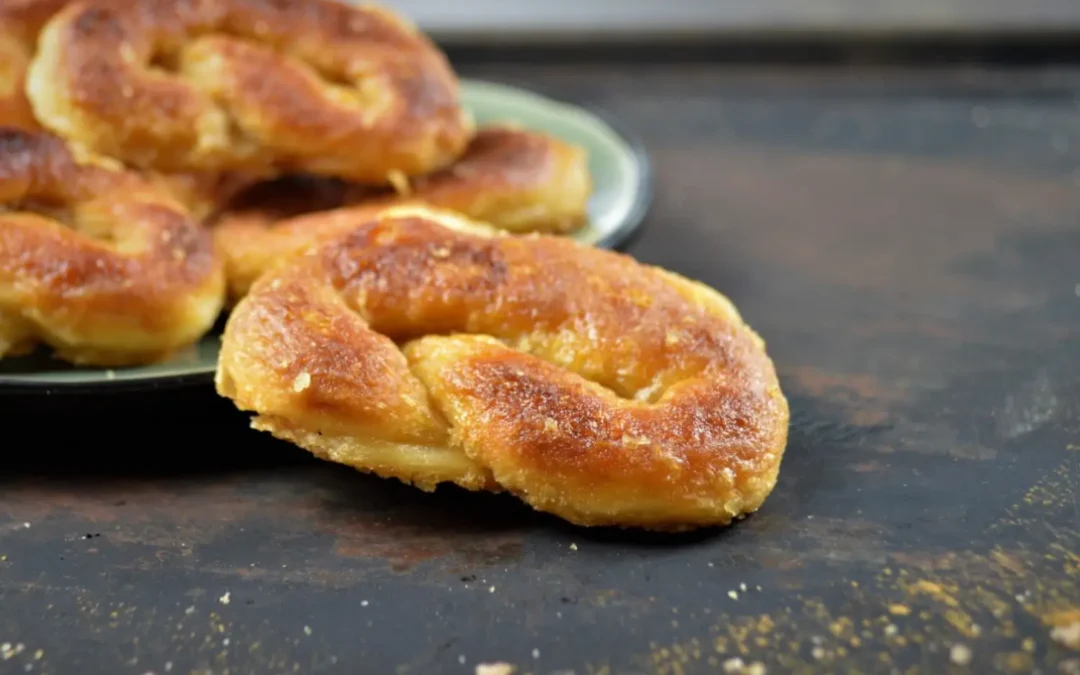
(622, 192)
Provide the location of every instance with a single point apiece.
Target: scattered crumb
(1072, 666)
(461, 659)
(536, 653)
(168, 666)
(491, 590)
(1028, 645)
(3, 558)
(733, 595)
(899, 610)
(758, 587)
(307, 630)
(735, 667)
(363, 603)
(494, 668)
(742, 587)
(39, 654)
(960, 654)
(190, 610)
(891, 630)
(224, 599)
(7, 650)
(301, 382)
(400, 182)
(710, 564)
(818, 653)
(573, 547)
(26, 525)
(1067, 635)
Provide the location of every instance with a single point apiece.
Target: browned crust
(20, 22)
(14, 108)
(319, 86)
(24, 19)
(95, 261)
(591, 386)
(514, 179)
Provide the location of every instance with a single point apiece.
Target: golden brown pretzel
(20, 22)
(514, 179)
(591, 386)
(192, 85)
(95, 261)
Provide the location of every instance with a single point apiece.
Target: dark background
(902, 225)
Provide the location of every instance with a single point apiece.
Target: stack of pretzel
(400, 298)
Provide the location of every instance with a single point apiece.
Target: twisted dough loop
(96, 262)
(516, 180)
(192, 85)
(593, 387)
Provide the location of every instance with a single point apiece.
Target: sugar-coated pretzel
(425, 347)
(318, 86)
(95, 261)
(514, 179)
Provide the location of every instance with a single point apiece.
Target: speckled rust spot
(405, 547)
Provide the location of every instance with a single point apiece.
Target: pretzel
(95, 261)
(593, 387)
(238, 85)
(20, 21)
(517, 180)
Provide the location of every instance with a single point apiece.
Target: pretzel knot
(189, 85)
(96, 262)
(425, 347)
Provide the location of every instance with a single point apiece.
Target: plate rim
(617, 239)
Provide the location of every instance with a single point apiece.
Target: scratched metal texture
(908, 242)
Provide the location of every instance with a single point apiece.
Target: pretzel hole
(165, 62)
(90, 222)
(50, 209)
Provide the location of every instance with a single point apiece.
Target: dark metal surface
(908, 244)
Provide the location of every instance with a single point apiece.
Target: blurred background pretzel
(425, 347)
(21, 22)
(319, 86)
(514, 179)
(95, 261)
